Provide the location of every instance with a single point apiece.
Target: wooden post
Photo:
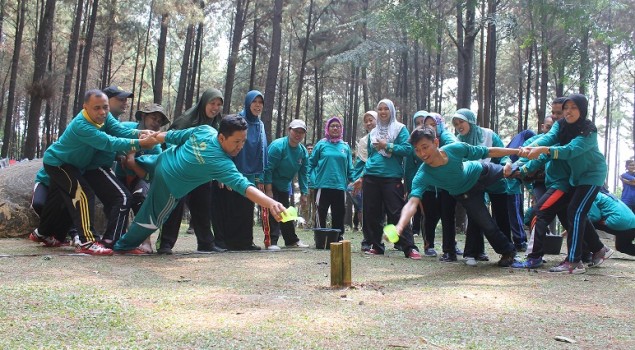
(346, 263)
(336, 264)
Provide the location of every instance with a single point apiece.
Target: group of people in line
(219, 166)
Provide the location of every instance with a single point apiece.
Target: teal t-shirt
(412, 162)
(457, 176)
(119, 171)
(331, 165)
(42, 177)
(587, 163)
(613, 212)
(82, 138)
(389, 167)
(198, 158)
(284, 162)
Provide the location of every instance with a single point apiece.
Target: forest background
(505, 59)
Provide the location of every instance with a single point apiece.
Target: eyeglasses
(335, 126)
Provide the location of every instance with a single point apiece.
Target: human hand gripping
(276, 209)
(150, 140)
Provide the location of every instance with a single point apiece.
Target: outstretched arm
(407, 212)
(256, 196)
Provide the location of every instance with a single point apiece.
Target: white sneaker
(297, 244)
(470, 261)
(273, 247)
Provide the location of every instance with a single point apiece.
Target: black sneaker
(448, 257)
(507, 259)
(251, 247)
(165, 251)
(482, 257)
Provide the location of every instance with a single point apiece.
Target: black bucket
(325, 236)
(552, 245)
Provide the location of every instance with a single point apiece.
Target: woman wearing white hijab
(382, 186)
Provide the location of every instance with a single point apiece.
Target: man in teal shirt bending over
(201, 155)
(287, 157)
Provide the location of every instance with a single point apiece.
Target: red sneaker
(93, 248)
(135, 251)
(48, 241)
(373, 251)
(414, 254)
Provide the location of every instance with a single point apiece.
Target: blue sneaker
(530, 263)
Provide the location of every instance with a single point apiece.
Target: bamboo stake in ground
(336, 264)
(346, 264)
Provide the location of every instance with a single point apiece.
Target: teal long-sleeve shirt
(331, 165)
(412, 162)
(198, 158)
(612, 212)
(457, 176)
(83, 138)
(119, 171)
(389, 167)
(284, 162)
(587, 164)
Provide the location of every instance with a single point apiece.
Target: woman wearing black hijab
(574, 139)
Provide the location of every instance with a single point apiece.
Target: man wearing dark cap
(117, 99)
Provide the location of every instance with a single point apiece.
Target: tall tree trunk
(609, 91)
(110, 31)
(303, 62)
(287, 87)
(585, 64)
(528, 90)
(185, 63)
(15, 62)
(418, 95)
(317, 117)
(192, 80)
(595, 91)
(490, 66)
(2, 6)
(466, 38)
(145, 60)
(87, 48)
(70, 65)
(157, 89)
(280, 89)
(481, 114)
(520, 84)
(274, 66)
(242, 7)
(254, 52)
(40, 88)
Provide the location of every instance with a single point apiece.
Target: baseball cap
(115, 91)
(297, 123)
(152, 108)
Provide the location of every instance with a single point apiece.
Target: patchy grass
(282, 300)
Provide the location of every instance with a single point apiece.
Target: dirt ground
(52, 298)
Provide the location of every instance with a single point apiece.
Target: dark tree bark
(467, 31)
(287, 87)
(15, 62)
(489, 92)
(609, 91)
(70, 65)
(110, 30)
(160, 67)
(254, 52)
(2, 6)
(195, 66)
(87, 49)
(180, 94)
(585, 64)
(40, 89)
(274, 65)
(303, 63)
(242, 7)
